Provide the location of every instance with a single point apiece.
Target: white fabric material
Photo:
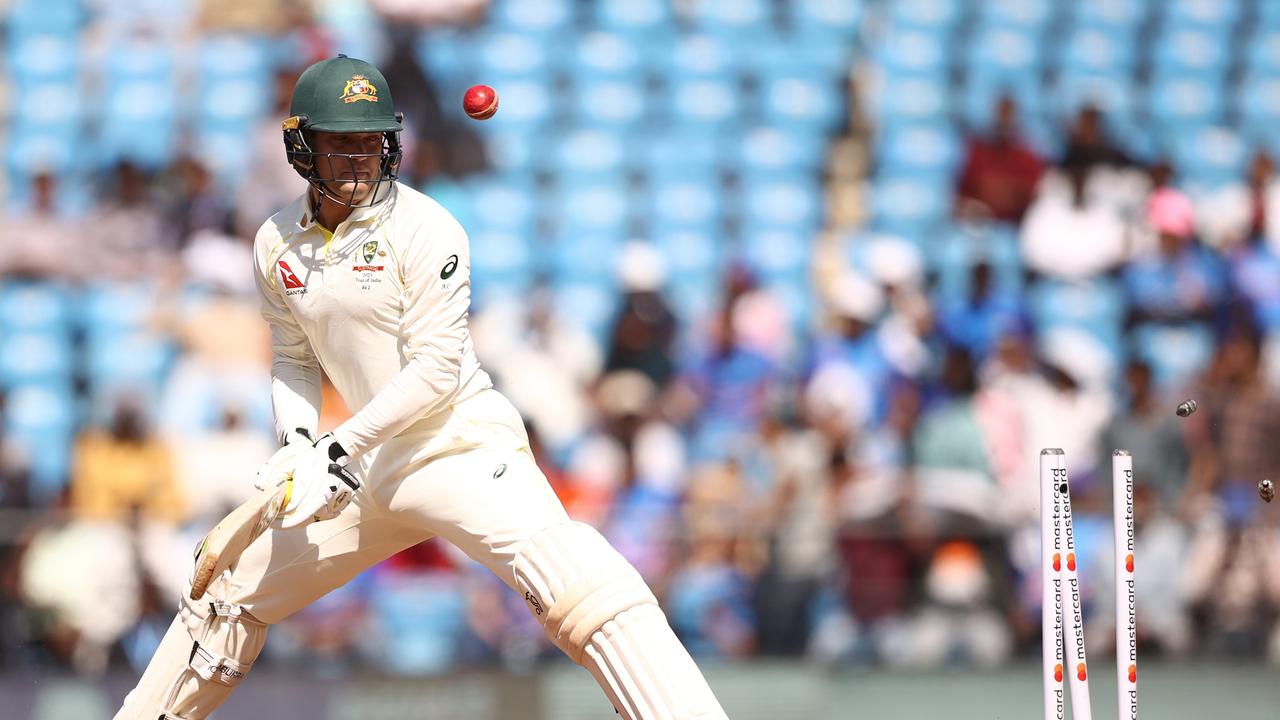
(1063, 241)
(206, 652)
(382, 306)
(597, 609)
(575, 582)
(646, 672)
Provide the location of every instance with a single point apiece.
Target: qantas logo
(292, 285)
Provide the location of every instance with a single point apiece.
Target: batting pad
(597, 609)
(207, 651)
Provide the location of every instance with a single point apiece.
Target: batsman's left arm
(437, 296)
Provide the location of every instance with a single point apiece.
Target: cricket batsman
(370, 280)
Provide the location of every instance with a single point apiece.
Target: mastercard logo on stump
(1057, 672)
(1080, 672)
(1057, 562)
(1071, 561)
(1133, 673)
(1128, 562)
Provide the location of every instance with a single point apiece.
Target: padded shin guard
(646, 672)
(597, 609)
(207, 651)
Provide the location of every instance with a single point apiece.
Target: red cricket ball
(480, 102)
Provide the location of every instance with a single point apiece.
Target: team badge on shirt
(370, 249)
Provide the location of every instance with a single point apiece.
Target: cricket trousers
(468, 477)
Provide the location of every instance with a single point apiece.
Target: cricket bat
(234, 533)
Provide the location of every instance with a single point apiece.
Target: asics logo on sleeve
(449, 267)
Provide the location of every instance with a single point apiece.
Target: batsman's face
(354, 176)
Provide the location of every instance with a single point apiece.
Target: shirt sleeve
(295, 370)
(436, 272)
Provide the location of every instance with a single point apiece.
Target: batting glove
(322, 485)
(280, 466)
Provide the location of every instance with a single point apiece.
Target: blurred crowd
(857, 487)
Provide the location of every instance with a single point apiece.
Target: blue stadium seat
(40, 420)
(1210, 156)
(1027, 14)
(140, 123)
(679, 150)
(693, 297)
(932, 151)
(514, 151)
(779, 253)
(1113, 94)
(35, 356)
(130, 59)
(1262, 54)
(705, 101)
(502, 263)
(1176, 354)
(785, 201)
(1268, 15)
(928, 15)
(1258, 103)
(237, 102)
(914, 98)
(801, 101)
(446, 55)
(49, 107)
(127, 359)
(503, 56)
(1091, 51)
(909, 206)
(689, 254)
(632, 16)
(958, 248)
(30, 151)
(39, 58)
(1096, 306)
(1005, 50)
(532, 16)
(741, 17)
(58, 17)
(34, 306)
(688, 203)
(591, 207)
(699, 55)
(841, 18)
(418, 620)
(590, 151)
(527, 104)
(606, 54)
(1115, 15)
(977, 99)
(115, 307)
(614, 103)
(1188, 52)
(1175, 101)
(916, 52)
(768, 149)
(590, 304)
(506, 203)
(227, 55)
(1211, 15)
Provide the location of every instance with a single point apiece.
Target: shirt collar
(306, 218)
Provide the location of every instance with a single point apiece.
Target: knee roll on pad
(575, 582)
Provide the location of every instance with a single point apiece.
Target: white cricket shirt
(381, 304)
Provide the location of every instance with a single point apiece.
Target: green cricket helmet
(343, 95)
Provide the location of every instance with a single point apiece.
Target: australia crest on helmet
(359, 88)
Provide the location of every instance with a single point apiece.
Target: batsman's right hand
(280, 466)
